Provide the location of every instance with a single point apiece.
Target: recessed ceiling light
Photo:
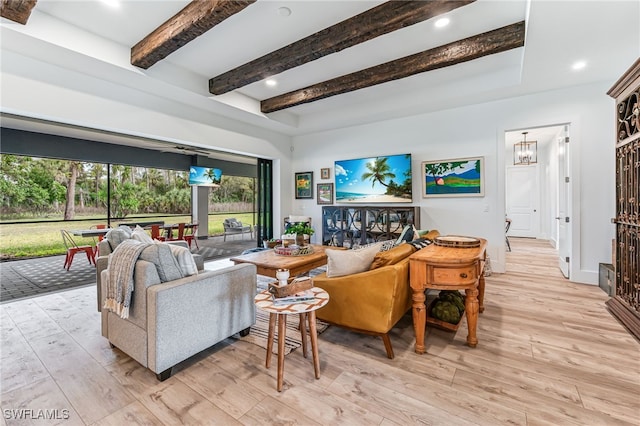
(442, 22)
(112, 3)
(284, 11)
(270, 82)
(577, 66)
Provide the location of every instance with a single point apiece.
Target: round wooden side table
(278, 313)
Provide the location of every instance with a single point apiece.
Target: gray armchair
(171, 321)
(111, 241)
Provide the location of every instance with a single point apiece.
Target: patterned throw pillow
(384, 245)
(387, 245)
(420, 243)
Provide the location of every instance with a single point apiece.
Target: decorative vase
(300, 239)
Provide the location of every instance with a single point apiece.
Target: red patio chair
(180, 236)
(155, 233)
(190, 234)
(73, 248)
(100, 238)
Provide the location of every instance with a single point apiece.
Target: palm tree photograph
(204, 176)
(382, 179)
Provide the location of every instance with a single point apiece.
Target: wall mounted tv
(204, 176)
(381, 179)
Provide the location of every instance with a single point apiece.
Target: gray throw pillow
(115, 237)
(141, 235)
(166, 264)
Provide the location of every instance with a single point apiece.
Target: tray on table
(293, 250)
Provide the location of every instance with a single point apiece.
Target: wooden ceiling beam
(17, 10)
(382, 19)
(499, 40)
(195, 19)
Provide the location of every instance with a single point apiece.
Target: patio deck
(21, 279)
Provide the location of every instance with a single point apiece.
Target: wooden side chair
(190, 235)
(73, 248)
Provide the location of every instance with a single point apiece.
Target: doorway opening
(537, 189)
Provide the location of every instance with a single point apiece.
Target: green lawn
(44, 239)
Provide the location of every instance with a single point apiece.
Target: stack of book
(301, 296)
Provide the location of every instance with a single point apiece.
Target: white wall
(53, 92)
(478, 130)
(35, 89)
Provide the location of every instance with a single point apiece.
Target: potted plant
(300, 229)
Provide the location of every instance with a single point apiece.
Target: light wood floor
(549, 353)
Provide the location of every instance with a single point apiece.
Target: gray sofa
(171, 319)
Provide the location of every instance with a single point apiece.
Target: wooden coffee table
(268, 262)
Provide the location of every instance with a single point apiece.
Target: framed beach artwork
(381, 179)
(324, 173)
(304, 185)
(460, 177)
(325, 193)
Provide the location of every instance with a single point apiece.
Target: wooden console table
(448, 268)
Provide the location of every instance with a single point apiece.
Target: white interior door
(564, 228)
(522, 201)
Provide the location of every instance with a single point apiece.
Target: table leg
(481, 293)
(419, 319)
(272, 325)
(471, 310)
(282, 335)
(303, 333)
(313, 332)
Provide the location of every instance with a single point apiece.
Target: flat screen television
(204, 176)
(381, 179)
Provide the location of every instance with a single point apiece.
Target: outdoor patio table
(143, 224)
(90, 232)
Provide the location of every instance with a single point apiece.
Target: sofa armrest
(188, 315)
(101, 264)
(371, 300)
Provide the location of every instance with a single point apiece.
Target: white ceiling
(604, 33)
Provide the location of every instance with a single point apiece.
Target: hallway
(530, 256)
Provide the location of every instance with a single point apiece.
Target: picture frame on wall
(304, 185)
(459, 177)
(325, 193)
(325, 173)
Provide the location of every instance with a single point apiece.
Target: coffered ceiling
(333, 63)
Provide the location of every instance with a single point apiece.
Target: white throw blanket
(120, 276)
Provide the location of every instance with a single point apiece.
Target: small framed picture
(304, 185)
(325, 173)
(325, 193)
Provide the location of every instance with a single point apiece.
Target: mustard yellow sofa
(370, 302)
